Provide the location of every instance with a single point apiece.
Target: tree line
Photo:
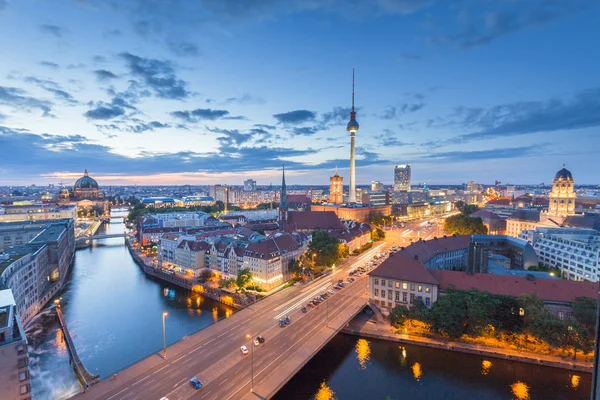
(476, 313)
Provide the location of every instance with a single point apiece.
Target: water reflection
(575, 381)
(417, 371)
(363, 352)
(485, 367)
(520, 390)
(325, 393)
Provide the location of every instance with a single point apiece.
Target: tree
(398, 316)
(464, 225)
(532, 307)
(377, 234)
(228, 283)
(506, 316)
(244, 277)
(469, 209)
(584, 312)
(449, 314)
(206, 275)
(295, 268)
(326, 248)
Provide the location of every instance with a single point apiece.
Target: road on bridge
(213, 354)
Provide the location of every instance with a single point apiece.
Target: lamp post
(164, 314)
(251, 364)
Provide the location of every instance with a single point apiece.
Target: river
(114, 313)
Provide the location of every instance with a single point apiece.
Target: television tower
(352, 127)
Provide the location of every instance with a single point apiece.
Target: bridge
(213, 354)
(102, 236)
(85, 377)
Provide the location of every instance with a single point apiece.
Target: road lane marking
(141, 380)
(158, 370)
(173, 362)
(180, 382)
(115, 395)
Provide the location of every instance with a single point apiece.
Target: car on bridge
(256, 342)
(244, 350)
(196, 383)
(304, 309)
(281, 323)
(288, 320)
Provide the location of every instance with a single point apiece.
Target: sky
(218, 91)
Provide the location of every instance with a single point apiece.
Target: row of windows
(405, 285)
(405, 296)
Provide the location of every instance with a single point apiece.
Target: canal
(114, 313)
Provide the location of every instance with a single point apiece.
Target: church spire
(283, 197)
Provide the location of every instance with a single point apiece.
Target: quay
(86, 378)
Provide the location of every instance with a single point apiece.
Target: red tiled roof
(401, 267)
(298, 198)
(500, 202)
(273, 246)
(486, 214)
(549, 290)
(313, 220)
(194, 245)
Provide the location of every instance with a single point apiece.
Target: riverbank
(212, 293)
(365, 327)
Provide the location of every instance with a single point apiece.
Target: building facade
(336, 189)
(402, 178)
(14, 363)
(249, 185)
(562, 197)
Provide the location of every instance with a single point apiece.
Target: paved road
(214, 356)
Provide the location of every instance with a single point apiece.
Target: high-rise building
(352, 127)
(402, 178)
(14, 370)
(336, 189)
(376, 186)
(249, 185)
(473, 187)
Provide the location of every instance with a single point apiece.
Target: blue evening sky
(216, 91)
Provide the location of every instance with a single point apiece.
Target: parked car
(352, 279)
(288, 320)
(196, 383)
(261, 339)
(310, 304)
(330, 291)
(244, 350)
(304, 309)
(281, 323)
(256, 342)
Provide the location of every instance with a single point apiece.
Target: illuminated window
(404, 285)
(420, 288)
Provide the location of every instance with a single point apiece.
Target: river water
(114, 313)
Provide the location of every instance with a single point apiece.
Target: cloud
(200, 114)
(49, 64)
(184, 49)
(245, 99)
(104, 75)
(338, 116)
(295, 117)
(522, 118)
(478, 155)
(105, 111)
(158, 75)
(388, 139)
(18, 99)
(149, 126)
(410, 57)
(484, 27)
(54, 30)
(99, 59)
(52, 87)
(263, 126)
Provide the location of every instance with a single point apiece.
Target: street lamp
(164, 314)
(251, 364)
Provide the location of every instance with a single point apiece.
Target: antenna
(352, 89)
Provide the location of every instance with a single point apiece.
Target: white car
(244, 350)
(256, 342)
(330, 291)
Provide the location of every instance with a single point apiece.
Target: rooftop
(4, 264)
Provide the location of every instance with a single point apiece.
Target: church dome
(564, 173)
(85, 182)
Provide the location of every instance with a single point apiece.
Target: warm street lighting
(57, 302)
(164, 314)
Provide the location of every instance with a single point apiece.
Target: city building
(14, 363)
(377, 186)
(575, 251)
(356, 212)
(352, 127)
(37, 212)
(35, 268)
(379, 198)
(86, 188)
(402, 178)
(520, 254)
(249, 185)
(403, 277)
(336, 189)
(560, 212)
